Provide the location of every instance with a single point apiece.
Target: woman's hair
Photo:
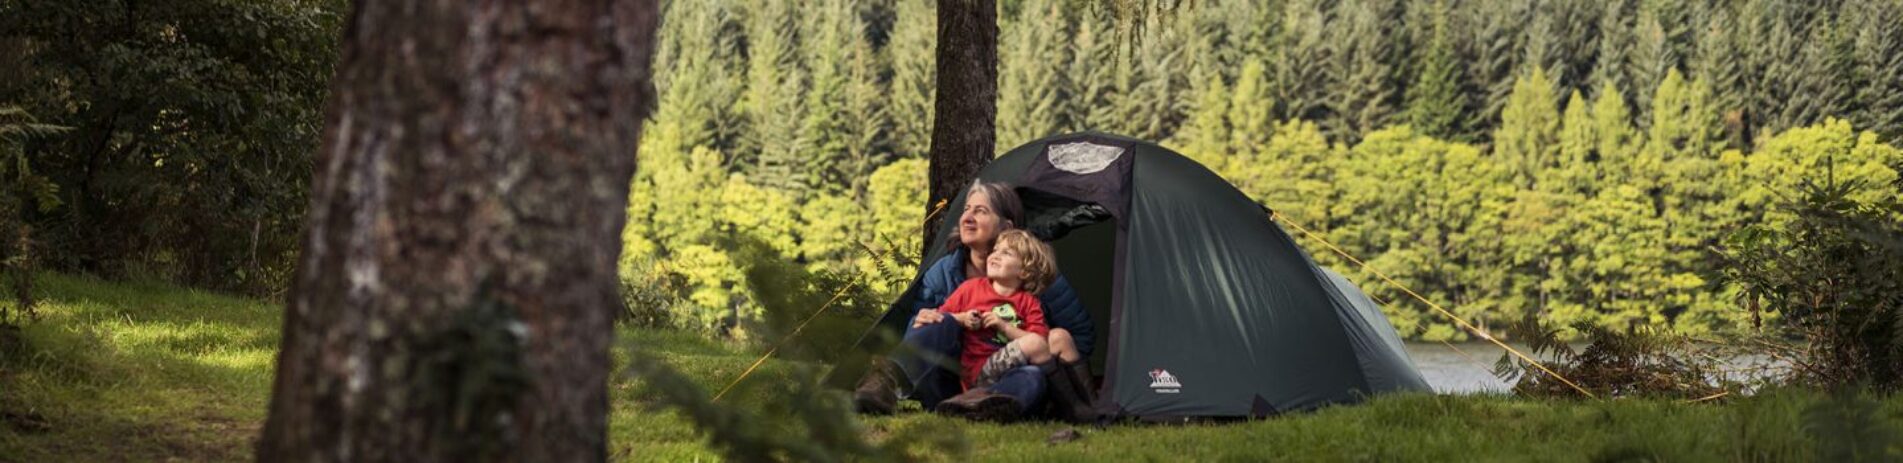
(1040, 262)
(1004, 203)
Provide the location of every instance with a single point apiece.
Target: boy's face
(1005, 266)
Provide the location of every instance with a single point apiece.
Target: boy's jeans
(933, 382)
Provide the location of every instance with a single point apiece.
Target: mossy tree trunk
(456, 293)
(966, 106)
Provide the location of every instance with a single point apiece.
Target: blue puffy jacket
(1061, 306)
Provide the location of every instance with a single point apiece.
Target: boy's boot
(980, 404)
(878, 391)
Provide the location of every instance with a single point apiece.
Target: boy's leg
(929, 360)
(1028, 350)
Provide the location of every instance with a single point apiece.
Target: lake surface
(1449, 371)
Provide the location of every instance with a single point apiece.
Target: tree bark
(455, 295)
(966, 108)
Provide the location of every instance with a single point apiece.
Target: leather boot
(980, 404)
(878, 391)
(1083, 389)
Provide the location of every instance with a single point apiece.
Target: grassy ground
(153, 373)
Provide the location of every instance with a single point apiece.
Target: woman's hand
(967, 319)
(927, 317)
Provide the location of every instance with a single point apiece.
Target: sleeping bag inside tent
(1203, 307)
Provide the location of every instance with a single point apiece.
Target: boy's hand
(927, 317)
(992, 320)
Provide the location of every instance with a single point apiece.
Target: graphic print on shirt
(1009, 314)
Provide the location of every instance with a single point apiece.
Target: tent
(1203, 307)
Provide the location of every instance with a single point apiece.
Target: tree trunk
(455, 297)
(966, 108)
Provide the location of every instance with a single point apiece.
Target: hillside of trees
(1576, 160)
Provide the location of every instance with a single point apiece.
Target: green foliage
(30, 192)
(1831, 270)
(913, 61)
(1032, 59)
(1364, 95)
(193, 123)
(1435, 100)
(1529, 129)
(1300, 80)
(1615, 364)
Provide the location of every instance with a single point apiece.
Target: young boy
(1004, 327)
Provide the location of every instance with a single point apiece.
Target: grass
(143, 372)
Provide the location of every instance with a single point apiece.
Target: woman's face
(979, 224)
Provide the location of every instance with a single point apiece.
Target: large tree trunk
(456, 293)
(966, 108)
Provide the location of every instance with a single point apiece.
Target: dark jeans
(929, 359)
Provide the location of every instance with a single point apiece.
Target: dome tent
(1202, 306)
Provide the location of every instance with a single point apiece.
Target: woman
(990, 209)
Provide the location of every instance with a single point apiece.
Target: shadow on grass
(137, 372)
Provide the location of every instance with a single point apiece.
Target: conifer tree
(696, 94)
(1560, 40)
(914, 36)
(1879, 61)
(1529, 128)
(1615, 49)
(829, 30)
(1092, 71)
(1302, 79)
(1435, 101)
(1493, 60)
(1365, 95)
(775, 83)
(1150, 80)
(1618, 143)
(1652, 58)
(1719, 62)
(1251, 110)
(1205, 137)
(1032, 57)
(1824, 82)
(1576, 170)
(1773, 37)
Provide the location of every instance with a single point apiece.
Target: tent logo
(1083, 157)
(1162, 382)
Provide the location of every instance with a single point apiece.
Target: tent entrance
(1084, 235)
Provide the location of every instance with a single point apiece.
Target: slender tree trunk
(966, 108)
(456, 292)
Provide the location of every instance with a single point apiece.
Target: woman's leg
(928, 358)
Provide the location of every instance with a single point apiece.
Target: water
(1448, 371)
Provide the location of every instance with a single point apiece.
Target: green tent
(1203, 306)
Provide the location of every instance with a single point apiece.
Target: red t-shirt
(976, 295)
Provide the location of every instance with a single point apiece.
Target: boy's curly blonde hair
(1040, 262)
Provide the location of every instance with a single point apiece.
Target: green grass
(141, 372)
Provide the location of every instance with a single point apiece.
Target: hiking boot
(980, 404)
(878, 391)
